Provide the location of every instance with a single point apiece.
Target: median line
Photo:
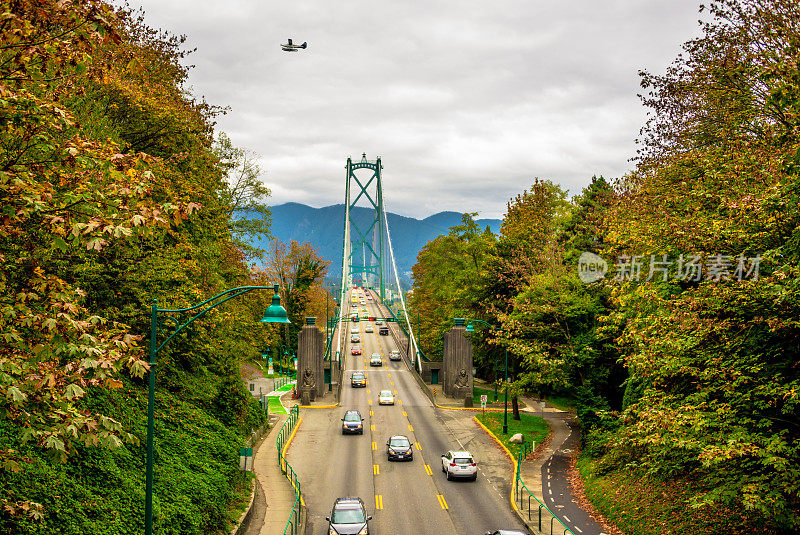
(428, 469)
(378, 501)
(376, 469)
(441, 501)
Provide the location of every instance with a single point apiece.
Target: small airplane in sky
(289, 47)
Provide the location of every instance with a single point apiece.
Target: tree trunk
(515, 407)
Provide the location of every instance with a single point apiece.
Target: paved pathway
(547, 475)
(274, 495)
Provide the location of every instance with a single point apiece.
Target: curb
(492, 409)
(286, 448)
(319, 406)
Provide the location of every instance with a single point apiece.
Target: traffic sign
(484, 397)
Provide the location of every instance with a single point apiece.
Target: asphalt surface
(401, 496)
(558, 493)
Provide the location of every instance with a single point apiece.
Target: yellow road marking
(369, 402)
(379, 502)
(376, 469)
(374, 446)
(428, 470)
(405, 413)
(410, 427)
(441, 501)
(419, 446)
(367, 390)
(371, 413)
(395, 392)
(372, 427)
(392, 383)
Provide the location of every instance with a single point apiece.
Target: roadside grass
(561, 403)
(532, 428)
(477, 391)
(640, 505)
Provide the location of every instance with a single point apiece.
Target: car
(348, 517)
(376, 360)
(398, 448)
(383, 330)
(385, 397)
(507, 532)
(394, 355)
(354, 330)
(378, 322)
(459, 464)
(355, 350)
(358, 379)
(363, 301)
(369, 297)
(352, 422)
(355, 338)
(368, 328)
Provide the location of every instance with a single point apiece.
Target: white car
(354, 330)
(385, 397)
(368, 328)
(376, 360)
(459, 464)
(394, 355)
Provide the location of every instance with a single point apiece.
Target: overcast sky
(464, 101)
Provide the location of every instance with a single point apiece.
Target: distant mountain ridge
(323, 228)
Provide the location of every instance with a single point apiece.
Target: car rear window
(348, 516)
(462, 460)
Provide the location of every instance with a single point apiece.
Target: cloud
(466, 102)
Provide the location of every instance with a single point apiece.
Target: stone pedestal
(457, 364)
(310, 344)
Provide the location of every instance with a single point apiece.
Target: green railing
(281, 382)
(293, 523)
(521, 492)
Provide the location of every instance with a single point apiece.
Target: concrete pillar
(310, 344)
(457, 365)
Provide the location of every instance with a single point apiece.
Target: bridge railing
(293, 523)
(536, 509)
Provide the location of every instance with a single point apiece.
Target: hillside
(323, 228)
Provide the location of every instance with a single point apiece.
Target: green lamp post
(471, 329)
(275, 313)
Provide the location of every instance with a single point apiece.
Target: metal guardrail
(521, 492)
(293, 523)
(281, 382)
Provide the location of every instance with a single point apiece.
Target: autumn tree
(713, 394)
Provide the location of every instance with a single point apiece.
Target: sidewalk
(274, 489)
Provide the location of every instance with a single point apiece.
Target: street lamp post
(275, 313)
(471, 329)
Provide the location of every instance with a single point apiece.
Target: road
(401, 496)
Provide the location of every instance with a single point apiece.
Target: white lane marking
(567, 518)
(576, 528)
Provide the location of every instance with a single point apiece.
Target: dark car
(352, 423)
(348, 517)
(398, 448)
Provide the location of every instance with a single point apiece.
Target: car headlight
(363, 531)
(359, 425)
(332, 531)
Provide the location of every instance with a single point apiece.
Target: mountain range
(323, 228)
